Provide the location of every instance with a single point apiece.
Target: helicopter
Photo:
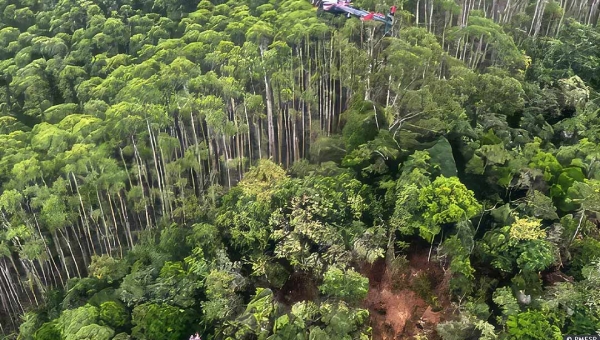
(342, 7)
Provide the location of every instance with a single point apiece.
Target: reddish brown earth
(397, 311)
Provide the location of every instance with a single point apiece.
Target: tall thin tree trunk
(125, 217)
(50, 257)
(269, 100)
(66, 238)
(249, 129)
(140, 171)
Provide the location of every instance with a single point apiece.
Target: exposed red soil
(397, 311)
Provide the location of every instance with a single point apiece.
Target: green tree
(159, 321)
(346, 285)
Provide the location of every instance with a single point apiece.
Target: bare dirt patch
(407, 298)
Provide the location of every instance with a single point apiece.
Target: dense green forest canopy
(255, 169)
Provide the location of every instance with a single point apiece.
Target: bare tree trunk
(104, 222)
(534, 29)
(280, 129)
(139, 165)
(258, 127)
(197, 144)
(370, 67)
(66, 238)
(431, 5)
(51, 259)
(464, 15)
(166, 184)
(249, 129)
(269, 99)
(125, 217)
(10, 287)
(158, 174)
(593, 10)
